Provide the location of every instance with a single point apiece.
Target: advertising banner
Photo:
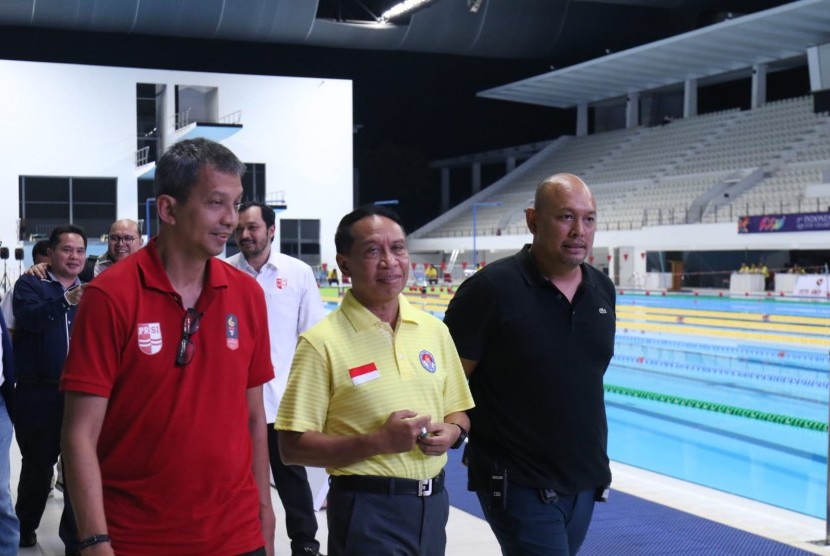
(770, 223)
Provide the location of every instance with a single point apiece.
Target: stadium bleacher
(682, 172)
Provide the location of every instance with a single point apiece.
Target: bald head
(124, 239)
(556, 185)
(563, 222)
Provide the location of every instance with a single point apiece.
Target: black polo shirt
(540, 408)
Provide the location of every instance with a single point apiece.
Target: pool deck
(468, 535)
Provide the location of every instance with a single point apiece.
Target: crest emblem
(232, 331)
(427, 360)
(149, 337)
(282, 283)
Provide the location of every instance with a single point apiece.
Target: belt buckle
(425, 487)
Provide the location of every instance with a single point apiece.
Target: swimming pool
(737, 401)
(727, 393)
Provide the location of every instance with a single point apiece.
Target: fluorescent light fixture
(402, 8)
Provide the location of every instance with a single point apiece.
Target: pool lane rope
(788, 420)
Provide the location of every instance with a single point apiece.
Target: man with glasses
(294, 305)
(123, 240)
(44, 312)
(164, 435)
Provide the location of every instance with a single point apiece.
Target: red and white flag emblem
(149, 337)
(364, 373)
(282, 283)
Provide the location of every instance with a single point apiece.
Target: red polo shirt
(175, 450)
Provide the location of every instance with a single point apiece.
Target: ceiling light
(402, 8)
(474, 5)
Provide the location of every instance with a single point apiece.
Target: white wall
(73, 120)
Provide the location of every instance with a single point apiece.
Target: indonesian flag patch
(364, 373)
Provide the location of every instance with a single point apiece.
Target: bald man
(535, 333)
(123, 240)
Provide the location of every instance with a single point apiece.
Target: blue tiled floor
(627, 526)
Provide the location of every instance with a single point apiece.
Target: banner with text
(769, 223)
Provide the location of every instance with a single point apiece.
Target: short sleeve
(95, 349)
(304, 405)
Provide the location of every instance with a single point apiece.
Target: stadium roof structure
(775, 37)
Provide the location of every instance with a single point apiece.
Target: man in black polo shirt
(535, 333)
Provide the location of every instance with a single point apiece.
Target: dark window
(147, 119)
(145, 190)
(46, 202)
(253, 182)
(301, 239)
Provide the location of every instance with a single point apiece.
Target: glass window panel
(310, 229)
(289, 230)
(45, 189)
(95, 190)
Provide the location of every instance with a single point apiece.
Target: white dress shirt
(294, 305)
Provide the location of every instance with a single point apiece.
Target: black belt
(388, 485)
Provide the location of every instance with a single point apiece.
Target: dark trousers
(532, 527)
(38, 416)
(361, 523)
(295, 494)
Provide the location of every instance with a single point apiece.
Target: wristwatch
(461, 437)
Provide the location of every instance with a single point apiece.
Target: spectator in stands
(537, 453)
(377, 395)
(44, 312)
(165, 425)
(293, 301)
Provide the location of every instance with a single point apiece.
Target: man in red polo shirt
(164, 425)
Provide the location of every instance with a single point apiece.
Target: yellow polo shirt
(352, 370)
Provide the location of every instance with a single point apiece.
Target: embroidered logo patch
(427, 360)
(149, 337)
(602, 311)
(364, 373)
(232, 331)
(282, 283)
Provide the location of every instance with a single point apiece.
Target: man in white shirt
(294, 305)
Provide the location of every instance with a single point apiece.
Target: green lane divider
(720, 408)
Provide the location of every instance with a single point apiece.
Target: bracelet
(93, 540)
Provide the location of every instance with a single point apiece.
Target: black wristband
(461, 437)
(93, 540)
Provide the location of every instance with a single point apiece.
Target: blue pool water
(755, 456)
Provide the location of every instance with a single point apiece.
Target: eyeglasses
(127, 240)
(190, 326)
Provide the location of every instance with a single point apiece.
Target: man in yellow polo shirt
(377, 395)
